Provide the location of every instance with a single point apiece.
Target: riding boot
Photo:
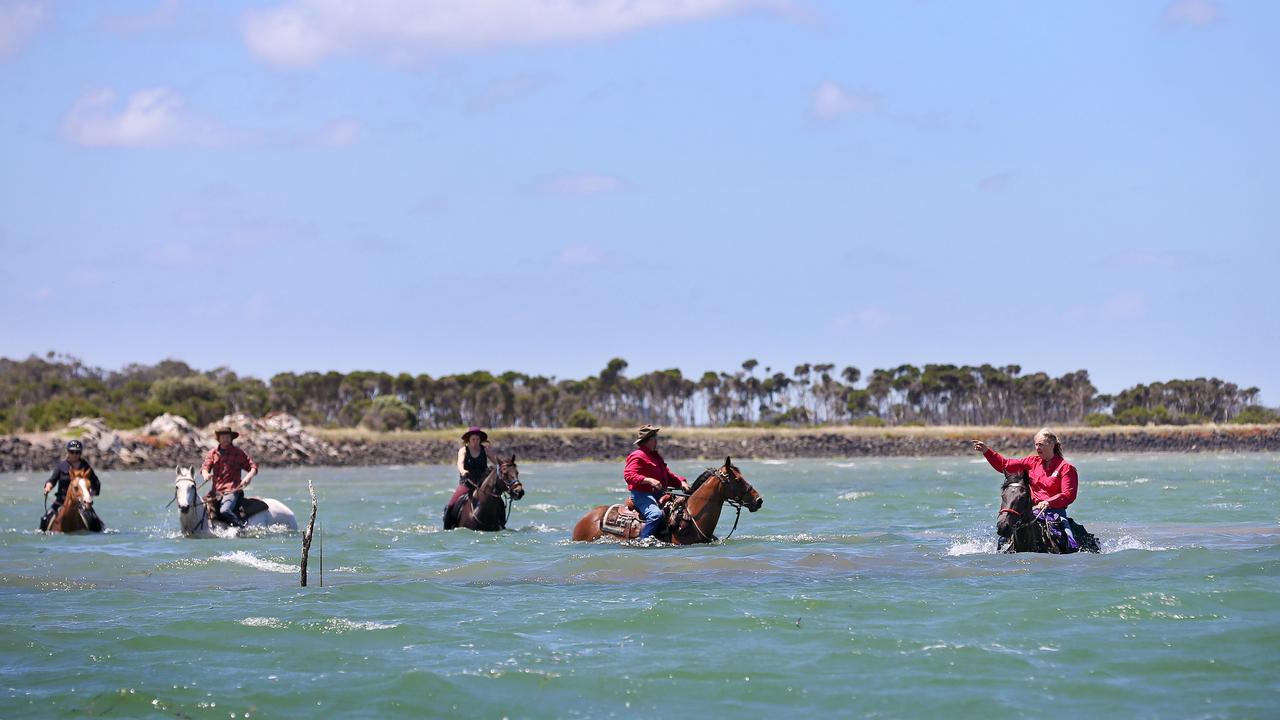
(230, 519)
(44, 521)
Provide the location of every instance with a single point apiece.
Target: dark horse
(483, 508)
(76, 513)
(689, 520)
(1023, 530)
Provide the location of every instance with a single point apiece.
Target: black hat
(74, 446)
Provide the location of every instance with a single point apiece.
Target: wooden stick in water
(306, 537)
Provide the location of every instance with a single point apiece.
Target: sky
(542, 185)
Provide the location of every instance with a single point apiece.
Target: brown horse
(1023, 530)
(689, 521)
(76, 513)
(484, 509)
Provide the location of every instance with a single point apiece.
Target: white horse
(198, 521)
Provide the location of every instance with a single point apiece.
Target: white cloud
(581, 255)
(1192, 13)
(341, 133)
(18, 22)
(831, 100)
(150, 117)
(302, 32)
(583, 184)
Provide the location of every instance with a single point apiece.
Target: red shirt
(226, 466)
(1055, 480)
(642, 463)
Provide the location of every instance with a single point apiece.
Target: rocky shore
(280, 440)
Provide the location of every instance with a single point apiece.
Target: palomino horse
(689, 522)
(76, 513)
(1023, 530)
(200, 520)
(483, 508)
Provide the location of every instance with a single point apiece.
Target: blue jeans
(227, 510)
(647, 506)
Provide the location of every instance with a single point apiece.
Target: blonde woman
(1054, 481)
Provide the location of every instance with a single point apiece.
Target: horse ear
(728, 461)
(177, 469)
(513, 458)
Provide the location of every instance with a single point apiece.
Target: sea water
(863, 588)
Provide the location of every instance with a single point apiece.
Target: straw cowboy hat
(473, 430)
(645, 432)
(225, 430)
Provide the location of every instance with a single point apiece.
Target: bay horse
(198, 518)
(1021, 529)
(690, 520)
(76, 513)
(484, 509)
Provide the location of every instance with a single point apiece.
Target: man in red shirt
(224, 464)
(647, 476)
(1054, 481)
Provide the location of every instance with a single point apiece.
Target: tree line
(43, 393)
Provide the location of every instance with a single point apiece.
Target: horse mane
(1012, 479)
(706, 474)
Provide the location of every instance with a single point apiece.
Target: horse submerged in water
(198, 516)
(1021, 529)
(76, 513)
(690, 520)
(483, 508)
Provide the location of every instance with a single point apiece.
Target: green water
(867, 588)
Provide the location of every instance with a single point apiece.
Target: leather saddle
(248, 507)
(623, 521)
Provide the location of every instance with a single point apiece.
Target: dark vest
(476, 466)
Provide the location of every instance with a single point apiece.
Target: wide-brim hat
(484, 436)
(645, 432)
(224, 430)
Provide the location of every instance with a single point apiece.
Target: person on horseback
(473, 465)
(61, 478)
(647, 476)
(1054, 481)
(224, 464)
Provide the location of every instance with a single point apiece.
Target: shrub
(1099, 419)
(1256, 415)
(869, 421)
(582, 418)
(387, 412)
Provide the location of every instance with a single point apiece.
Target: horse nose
(758, 504)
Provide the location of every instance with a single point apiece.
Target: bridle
(726, 478)
(509, 481)
(204, 509)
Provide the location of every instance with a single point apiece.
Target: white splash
(269, 622)
(240, 557)
(855, 495)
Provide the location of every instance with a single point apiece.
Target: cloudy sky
(541, 185)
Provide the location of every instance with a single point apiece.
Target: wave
(855, 495)
(248, 559)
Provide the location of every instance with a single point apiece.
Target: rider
(1054, 481)
(647, 475)
(61, 477)
(224, 464)
(473, 463)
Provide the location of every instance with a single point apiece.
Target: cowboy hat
(645, 432)
(224, 430)
(473, 430)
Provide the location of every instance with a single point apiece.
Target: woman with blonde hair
(1054, 481)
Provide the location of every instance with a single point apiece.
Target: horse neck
(706, 503)
(488, 497)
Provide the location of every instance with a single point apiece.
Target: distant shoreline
(324, 447)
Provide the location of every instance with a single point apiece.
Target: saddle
(247, 508)
(622, 520)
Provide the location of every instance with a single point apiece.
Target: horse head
(737, 489)
(1015, 503)
(184, 488)
(78, 491)
(509, 476)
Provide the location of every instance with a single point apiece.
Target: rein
(724, 480)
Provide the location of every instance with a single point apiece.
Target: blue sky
(541, 185)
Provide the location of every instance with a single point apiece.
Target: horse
(690, 520)
(1021, 529)
(483, 508)
(76, 513)
(198, 516)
